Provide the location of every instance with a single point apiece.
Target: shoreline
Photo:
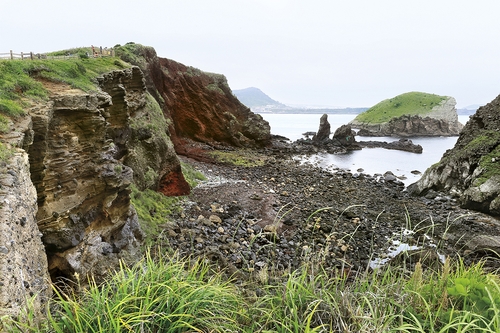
(283, 215)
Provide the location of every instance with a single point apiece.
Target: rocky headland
(198, 105)
(410, 114)
(470, 171)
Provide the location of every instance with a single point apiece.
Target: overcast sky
(311, 52)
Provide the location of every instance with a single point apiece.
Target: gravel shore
(283, 214)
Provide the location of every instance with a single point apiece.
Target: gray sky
(314, 52)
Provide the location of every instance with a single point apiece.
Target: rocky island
(410, 114)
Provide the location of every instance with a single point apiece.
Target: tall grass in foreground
(156, 295)
(171, 295)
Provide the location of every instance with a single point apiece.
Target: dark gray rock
(323, 133)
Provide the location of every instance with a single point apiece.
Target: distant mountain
(472, 107)
(259, 102)
(254, 97)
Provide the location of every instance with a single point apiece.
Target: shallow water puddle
(400, 246)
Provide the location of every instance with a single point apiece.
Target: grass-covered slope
(411, 103)
(166, 293)
(21, 82)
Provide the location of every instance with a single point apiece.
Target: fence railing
(41, 56)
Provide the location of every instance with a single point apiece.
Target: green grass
(154, 210)
(239, 158)
(5, 152)
(412, 103)
(192, 175)
(131, 53)
(179, 295)
(155, 295)
(20, 80)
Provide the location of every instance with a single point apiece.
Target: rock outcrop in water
(323, 133)
(471, 170)
(344, 140)
(410, 117)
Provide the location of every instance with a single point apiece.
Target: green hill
(411, 103)
(253, 97)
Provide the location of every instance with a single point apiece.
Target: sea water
(368, 160)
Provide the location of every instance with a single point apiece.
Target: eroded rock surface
(471, 170)
(23, 263)
(201, 105)
(323, 133)
(88, 149)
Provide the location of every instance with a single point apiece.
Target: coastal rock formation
(471, 170)
(344, 136)
(88, 149)
(204, 109)
(323, 131)
(201, 105)
(344, 139)
(401, 144)
(143, 140)
(23, 263)
(440, 120)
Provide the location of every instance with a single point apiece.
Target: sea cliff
(471, 170)
(69, 162)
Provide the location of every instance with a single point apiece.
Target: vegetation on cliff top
(411, 103)
(21, 81)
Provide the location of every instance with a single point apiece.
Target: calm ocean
(371, 160)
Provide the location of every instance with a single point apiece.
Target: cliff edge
(410, 114)
(200, 105)
(471, 170)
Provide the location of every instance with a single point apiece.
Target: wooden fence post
(31, 55)
(11, 55)
(22, 56)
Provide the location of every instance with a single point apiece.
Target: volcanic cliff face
(23, 263)
(87, 151)
(201, 105)
(441, 121)
(471, 170)
(65, 191)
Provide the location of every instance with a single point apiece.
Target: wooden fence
(100, 52)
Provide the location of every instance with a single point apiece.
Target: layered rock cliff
(201, 105)
(68, 184)
(23, 263)
(65, 205)
(417, 120)
(471, 170)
